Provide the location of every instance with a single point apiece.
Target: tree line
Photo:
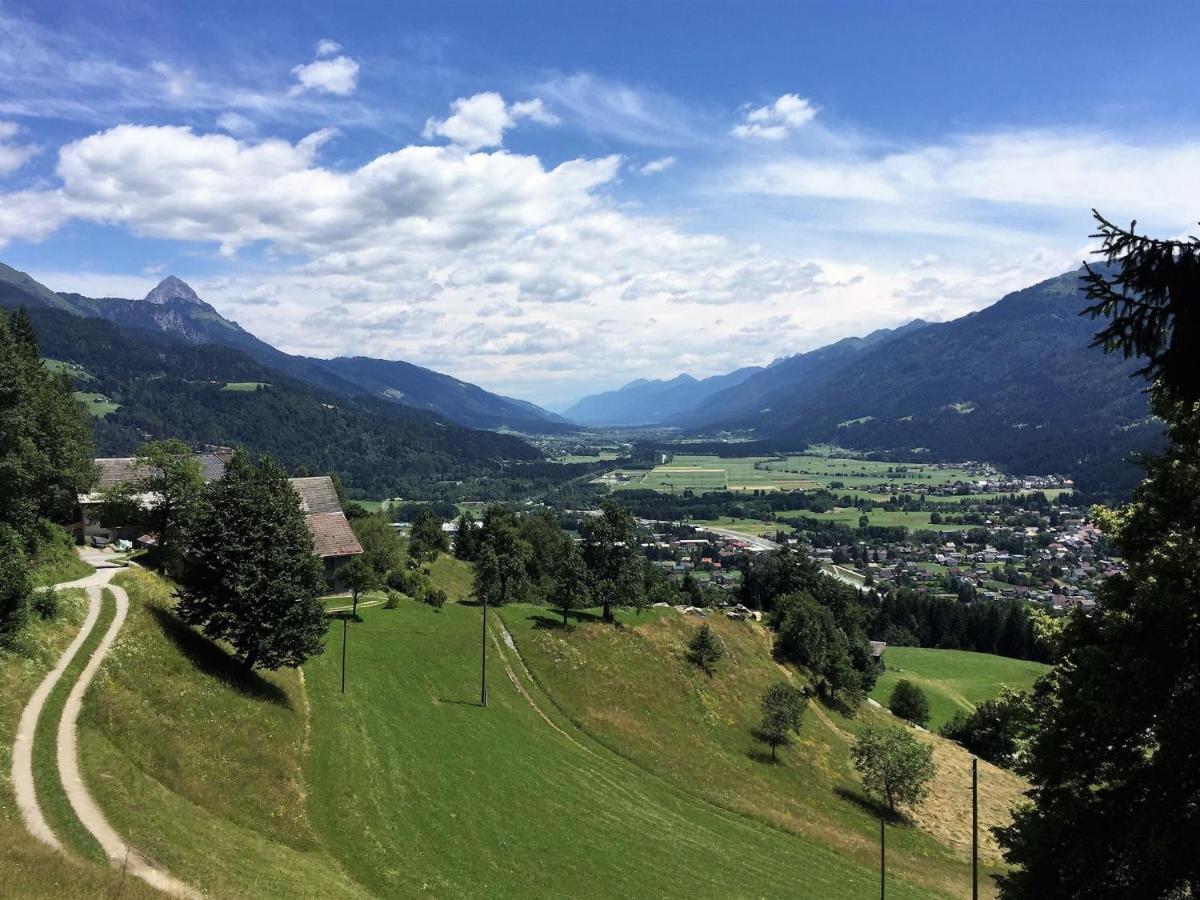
(45, 461)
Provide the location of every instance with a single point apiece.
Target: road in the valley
(118, 851)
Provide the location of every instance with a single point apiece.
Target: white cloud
(235, 123)
(636, 115)
(777, 120)
(13, 156)
(481, 120)
(327, 47)
(1035, 170)
(338, 76)
(657, 165)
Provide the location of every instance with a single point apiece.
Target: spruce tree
(704, 649)
(250, 575)
(1115, 757)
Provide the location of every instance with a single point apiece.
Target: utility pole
(344, 654)
(974, 828)
(882, 861)
(483, 667)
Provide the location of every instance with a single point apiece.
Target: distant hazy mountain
(1015, 383)
(645, 402)
(173, 308)
(784, 382)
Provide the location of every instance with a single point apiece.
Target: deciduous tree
(782, 712)
(893, 764)
(250, 576)
(610, 549)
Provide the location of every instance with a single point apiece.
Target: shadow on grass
(474, 703)
(871, 806)
(574, 618)
(764, 756)
(210, 659)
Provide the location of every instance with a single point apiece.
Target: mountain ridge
(173, 307)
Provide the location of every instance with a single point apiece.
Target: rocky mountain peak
(172, 288)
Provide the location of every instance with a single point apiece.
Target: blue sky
(553, 198)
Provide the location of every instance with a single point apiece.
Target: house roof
(317, 494)
(332, 535)
(125, 469)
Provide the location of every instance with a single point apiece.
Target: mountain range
(1016, 384)
(174, 308)
(170, 366)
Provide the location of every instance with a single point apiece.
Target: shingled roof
(317, 495)
(332, 534)
(125, 469)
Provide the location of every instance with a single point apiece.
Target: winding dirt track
(118, 851)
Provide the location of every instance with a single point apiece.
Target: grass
(29, 869)
(706, 473)
(200, 765)
(953, 680)
(55, 805)
(245, 385)
(419, 790)
(633, 690)
(55, 559)
(850, 515)
(61, 367)
(454, 576)
(97, 405)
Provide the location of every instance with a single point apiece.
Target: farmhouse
(333, 539)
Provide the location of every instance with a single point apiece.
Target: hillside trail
(119, 852)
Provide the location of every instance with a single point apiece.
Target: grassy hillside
(633, 690)
(419, 790)
(28, 869)
(954, 680)
(199, 766)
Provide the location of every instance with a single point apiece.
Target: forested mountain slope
(1016, 384)
(173, 308)
(166, 388)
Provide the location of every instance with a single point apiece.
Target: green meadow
(953, 680)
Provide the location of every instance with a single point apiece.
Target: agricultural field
(97, 405)
(745, 526)
(417, 789)
(633, 691)
(802, 472)
(953, 680)
(278, 784)
(912, 520)
(602, 456)
(244, 385)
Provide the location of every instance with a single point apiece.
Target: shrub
(45, 603)
(704, 649)
(909, 702)
(997, 730)
(393, 598)
(436, 598)
(14, 585)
